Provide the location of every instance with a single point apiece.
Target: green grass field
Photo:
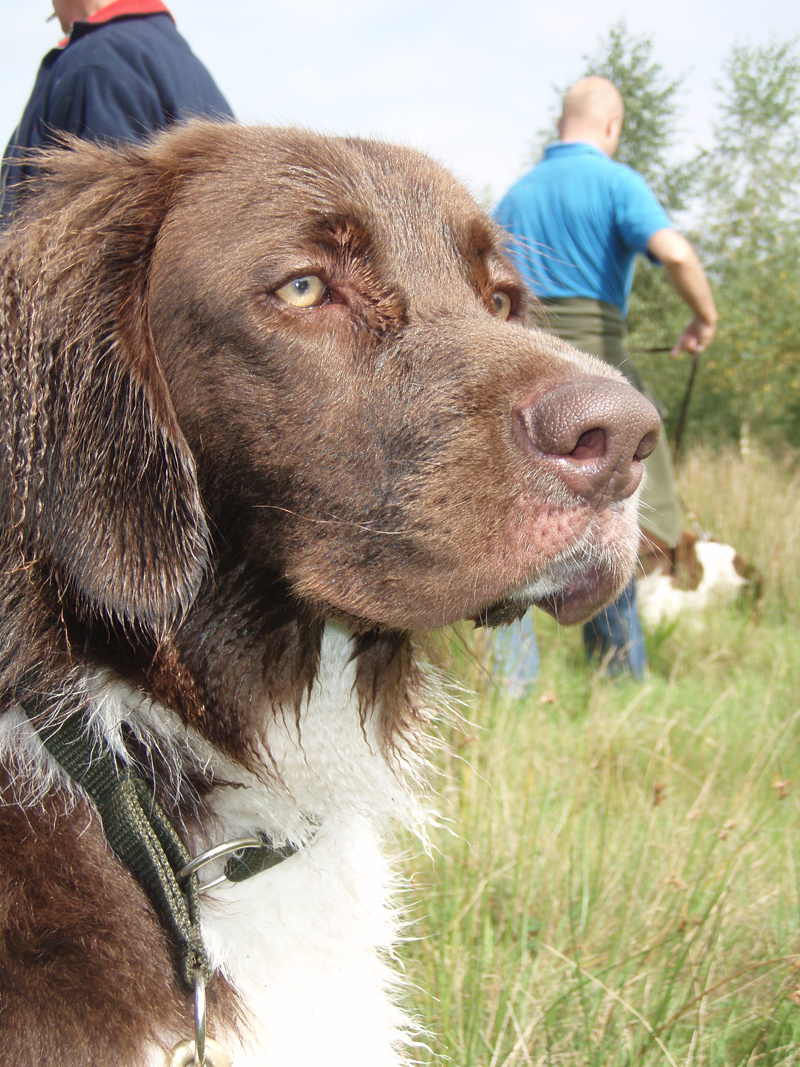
(618, 877)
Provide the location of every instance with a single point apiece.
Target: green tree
(751, 243)
(652, 113)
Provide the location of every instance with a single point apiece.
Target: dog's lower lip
(581, 598)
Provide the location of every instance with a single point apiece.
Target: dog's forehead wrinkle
(410, 197)
(338, 170)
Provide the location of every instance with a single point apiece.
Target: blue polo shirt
(577, 222)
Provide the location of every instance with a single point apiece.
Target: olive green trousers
(599, 329)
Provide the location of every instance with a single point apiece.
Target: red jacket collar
(119, 8)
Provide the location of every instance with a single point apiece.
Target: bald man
(578, 220)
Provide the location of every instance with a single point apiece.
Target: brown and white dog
(268, 406)
(696, 573)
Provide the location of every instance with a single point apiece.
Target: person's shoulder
(594, 159)
(529, 177)
(123, 39)
(638, 210)
(628, 178)
(145, 30)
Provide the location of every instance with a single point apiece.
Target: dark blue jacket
(121, 76)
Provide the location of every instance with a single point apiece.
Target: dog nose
(593, 434)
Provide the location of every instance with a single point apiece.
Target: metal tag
(183, 1055)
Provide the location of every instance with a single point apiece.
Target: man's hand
(686, 274)
(697, 336)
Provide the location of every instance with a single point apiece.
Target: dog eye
(302, 292)
(501, 305)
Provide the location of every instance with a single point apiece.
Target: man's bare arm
(687, 275)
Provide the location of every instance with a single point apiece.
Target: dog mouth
(579, 599)
(582, 597)
(576, 585)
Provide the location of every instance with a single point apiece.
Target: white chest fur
(306, 944)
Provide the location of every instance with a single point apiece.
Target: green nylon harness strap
(139, 833)
(136, 829)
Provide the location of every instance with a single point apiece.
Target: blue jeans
(617, 633)
(515, 657)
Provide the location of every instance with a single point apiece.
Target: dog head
(306, 357)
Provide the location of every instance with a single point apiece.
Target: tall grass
(618, 879)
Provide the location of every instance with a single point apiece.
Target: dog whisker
(333, 522)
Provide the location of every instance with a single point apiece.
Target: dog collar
(140, 834)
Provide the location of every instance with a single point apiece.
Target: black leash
(687, 396)
(685, 405)
(135, 827)
(140, 834)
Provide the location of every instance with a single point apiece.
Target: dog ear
(101, 484)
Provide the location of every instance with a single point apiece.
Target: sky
(469, 82)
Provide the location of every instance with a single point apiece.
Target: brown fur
(84, 965)
(679, 563)
(194, 476)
